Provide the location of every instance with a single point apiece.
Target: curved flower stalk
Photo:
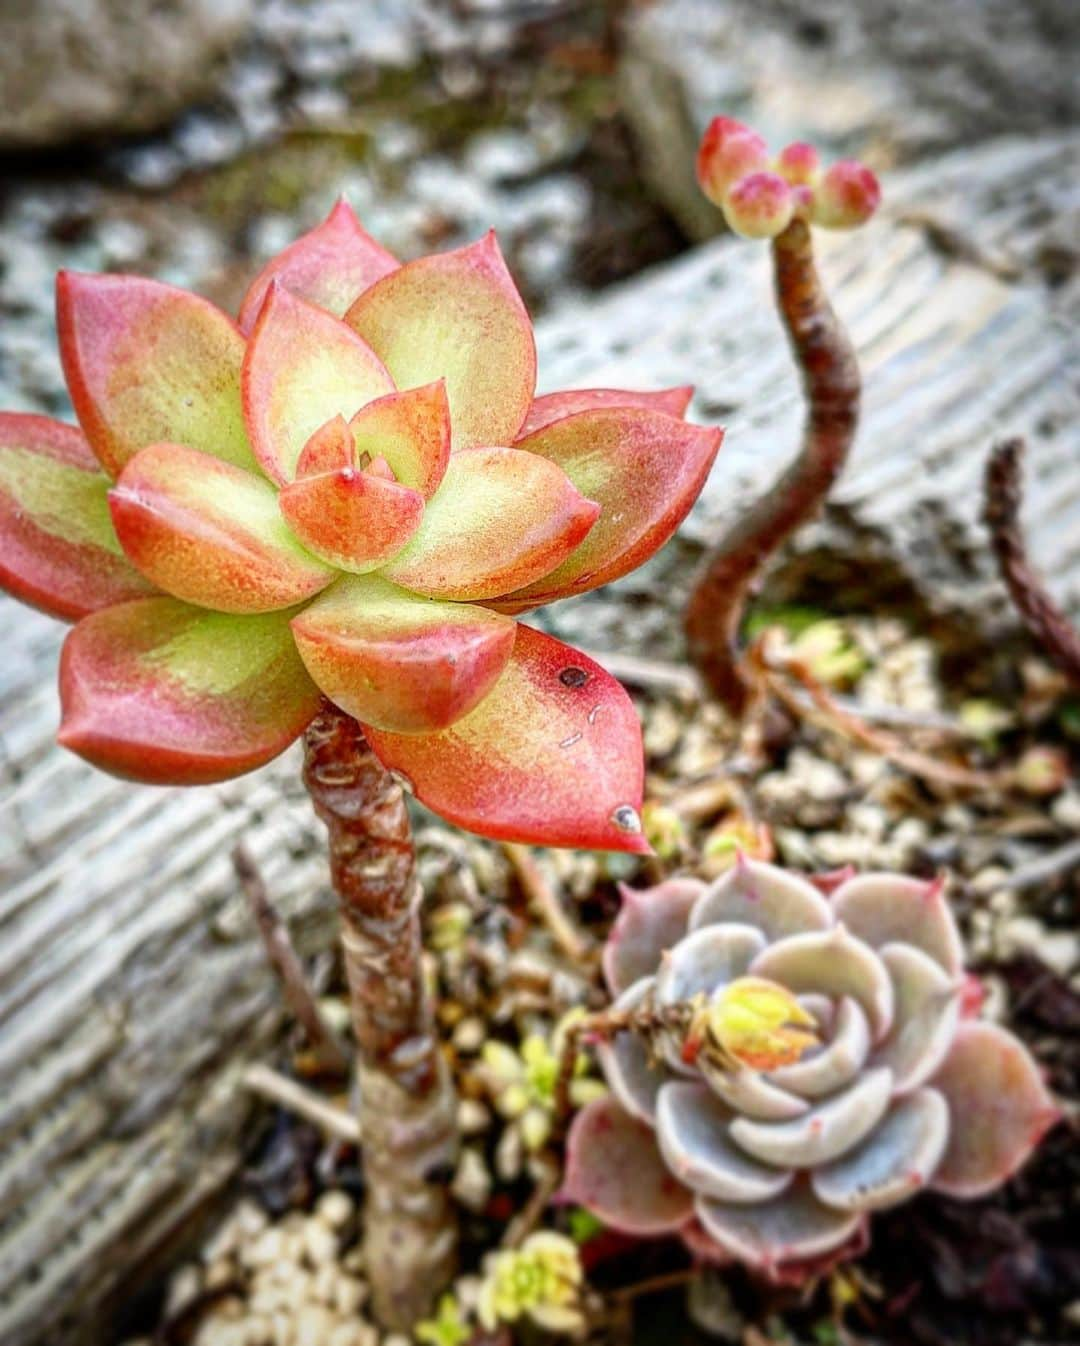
(325, 518)
(779, 199)
(790, 1059)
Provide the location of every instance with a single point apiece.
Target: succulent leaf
(613, 1168)
(706, 961)
(833, 962)
(838, 1061)
(210, 533)
(556, 406)
(147, 363)
(893, 1162)
(302, 368)
(411, 430)
(775, 902)
(458, 316)
(793, 1227)
(633, 1076)
(692, 1132)
(330, 265)
(168, 694)
(884, 908)
(552, 755)
(648, 923)
(644, 469)
(501, 517)
(398, 662)
(58, 548)
(822, 1133)
(927, 1012)
(1000, 1106)
(349, 517)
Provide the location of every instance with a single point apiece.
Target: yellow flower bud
(761, 1024)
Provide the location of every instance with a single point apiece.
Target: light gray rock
(70, 69)
(889, 80)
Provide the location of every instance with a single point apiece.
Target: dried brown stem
(830, 379)
(407, 1107)
(1043, 618)
(286, 963)
(562, 927)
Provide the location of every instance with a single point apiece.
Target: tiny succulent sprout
(352, 492)
(542, 1280)
(760, 197)
(787, 1057)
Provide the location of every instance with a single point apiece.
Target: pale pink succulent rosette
(781, 1170)
(352, 491)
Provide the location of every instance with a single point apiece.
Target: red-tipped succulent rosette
(827, 1070)
(760, 195)
(351, 492)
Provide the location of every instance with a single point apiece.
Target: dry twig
(293, 1097)
(564, 930)
(1001, 510)
(286, 963)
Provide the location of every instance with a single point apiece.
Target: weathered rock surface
(888, 80)
(86, 67)
(132, 985)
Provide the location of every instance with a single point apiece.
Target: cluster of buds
(760, 195)
(786, 1057)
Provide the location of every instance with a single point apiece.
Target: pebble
(335, 1209)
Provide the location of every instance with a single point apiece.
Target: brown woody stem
(1046, 622)
(830, 379)
(407, 1105)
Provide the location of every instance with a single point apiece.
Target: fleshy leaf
(303, 367)
(458, 316)
(706, 961)
(500, 515)
(145, 363)
(837, 1062)
(552, 755)
(330, 265)
(395, 661)
(643, 468)
(349, 517)
(615, 1170)
(629, 1068)
(411, 430)
(894, 1161)
(749, 1093)
(168, 694)
(828, 1130)
(554, 406)
(691, 1128)
(761, 895)
(831, 962)
(791, 1228)
(648, 922)
(999, 1109)
(58, 550)
(880, 908)
(210, 533)
(927, 1013)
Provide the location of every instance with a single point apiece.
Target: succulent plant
(793, 1057)
(541, 1280)
(352, 491)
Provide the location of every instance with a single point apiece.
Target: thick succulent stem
(1043, 618)
(407, 1106)
(830, 378)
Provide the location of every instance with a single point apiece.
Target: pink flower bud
(799, 164)
(847, 196)
(728, 151)
(759, 206)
